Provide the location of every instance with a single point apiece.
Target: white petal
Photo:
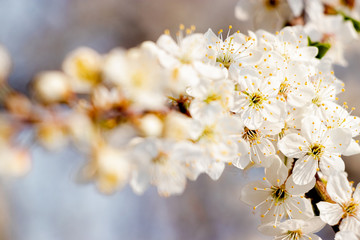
(356, 194)
(167, 60)
(296, 7)
(139, 181)
(268, 229)
(243, 9)
(274, 112)
(301, 207)
(293, 146)
(304, 170)
(301, 97)
(308, 53)
(339, 140)
(345, 235)
(252, 118)
(209, 71)
(311, 236)
(313, 225)
(211, 37)
(194, 46)
(330, 213)
(277, 173)
(254, 197)
(295, 189)
(354, 148)
(215, 170)
(330, 163)
(168, 44)
(339, 188)
(252, 58)
(350, 224)
(243, 158)
(276, 212)
(312, 129)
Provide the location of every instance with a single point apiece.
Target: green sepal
(322, 47)
(354, 22)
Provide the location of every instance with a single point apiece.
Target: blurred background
(48, 203)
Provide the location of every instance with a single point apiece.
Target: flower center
(284, 88)
(256, 99)
(212, 97)
(86, 72)
(250, 135)
(208, 133)
(297, 234)
(226, 52)
(138, 80)
(316, 151)
(161, 158)
(283, 130)
(185, 60)
(272, 3)
(279, 194)
(316, 101)
(350, 209)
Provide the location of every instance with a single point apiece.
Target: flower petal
(330, 213)
(277, 173)
(215, 170)
(295, 189)
(293, 145)
(354, 148)
(356, 194)
(312, 129)
(330, 163)
(269, 230)
(252, 118)
(253, 193)
(351, 224)
(304, 170)
(314, 224)
(338, 187)
(339, 140)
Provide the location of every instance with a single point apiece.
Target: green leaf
(322, 47)
(355, 22)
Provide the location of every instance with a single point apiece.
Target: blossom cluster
(167, 111)
(328, 23)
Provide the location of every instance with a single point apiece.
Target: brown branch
(318, 194)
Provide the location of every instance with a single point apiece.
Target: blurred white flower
(84, 66)
(211, 98)
(334, 30)
(52, 87)
(164, 164)
(138, 76)
(14, 161)
(270, 15)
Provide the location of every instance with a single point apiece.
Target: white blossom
(277, 196)
(345, 206)
(317, 148)
(294, 229)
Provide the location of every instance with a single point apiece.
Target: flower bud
(52, 87)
